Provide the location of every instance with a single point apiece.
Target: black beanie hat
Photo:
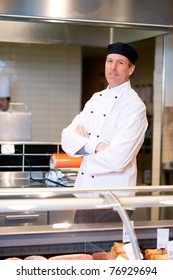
(123, 49)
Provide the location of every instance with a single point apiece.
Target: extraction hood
(83, 22)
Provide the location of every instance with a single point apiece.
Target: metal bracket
(19, 104)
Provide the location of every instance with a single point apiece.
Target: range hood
(83, 22)
(63, 33)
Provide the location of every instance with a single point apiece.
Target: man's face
(4, 104)
(117, 69)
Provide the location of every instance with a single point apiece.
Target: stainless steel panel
(30, 32)
(33, 179)
(61, 217)
(14, 179)
(86, 23)
(23, 219)
(133, 11)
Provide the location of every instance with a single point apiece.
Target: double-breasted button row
(115, 96)
(90, 135)
(82, 173)
(104, 115)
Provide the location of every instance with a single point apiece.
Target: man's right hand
(80, 129)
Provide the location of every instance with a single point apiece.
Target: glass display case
(60, 235)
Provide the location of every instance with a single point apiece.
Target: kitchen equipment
(15, 125)
(23, 219)
(59, 178)
(35, 181)
(63, 169)
(62, 160)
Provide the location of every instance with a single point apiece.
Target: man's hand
(80, 129)
(101, 146)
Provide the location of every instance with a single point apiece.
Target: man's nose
(113, 65)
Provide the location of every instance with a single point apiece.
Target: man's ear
(132, 69)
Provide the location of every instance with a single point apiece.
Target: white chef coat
(116, 116)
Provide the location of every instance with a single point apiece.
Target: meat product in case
(103, 256)
(13, 259)
(35, 257)
(156, 254)
(72, 257)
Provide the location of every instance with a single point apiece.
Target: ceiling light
(61, 225)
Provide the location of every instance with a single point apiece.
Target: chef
(108, 134)
(5, 94)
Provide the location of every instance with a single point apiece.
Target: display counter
(47, 240)
(58, 237)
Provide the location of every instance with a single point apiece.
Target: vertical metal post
(23, 157)
(111, 38)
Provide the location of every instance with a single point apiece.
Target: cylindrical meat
(13, 259)
(35, 257)
(62, 160)
(72, 257)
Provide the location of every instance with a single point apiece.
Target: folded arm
(123, 148)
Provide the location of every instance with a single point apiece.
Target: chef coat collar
(115, 91)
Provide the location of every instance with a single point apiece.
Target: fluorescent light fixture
(46, 194)
(22, 207)
(107, 206)
(169, 202)
(61, 225)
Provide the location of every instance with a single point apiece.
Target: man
(5, 94)
(108, 133)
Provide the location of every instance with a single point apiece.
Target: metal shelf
(22, 153)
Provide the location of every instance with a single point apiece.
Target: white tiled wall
(48, 79)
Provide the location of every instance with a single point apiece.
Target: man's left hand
(101, 146)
